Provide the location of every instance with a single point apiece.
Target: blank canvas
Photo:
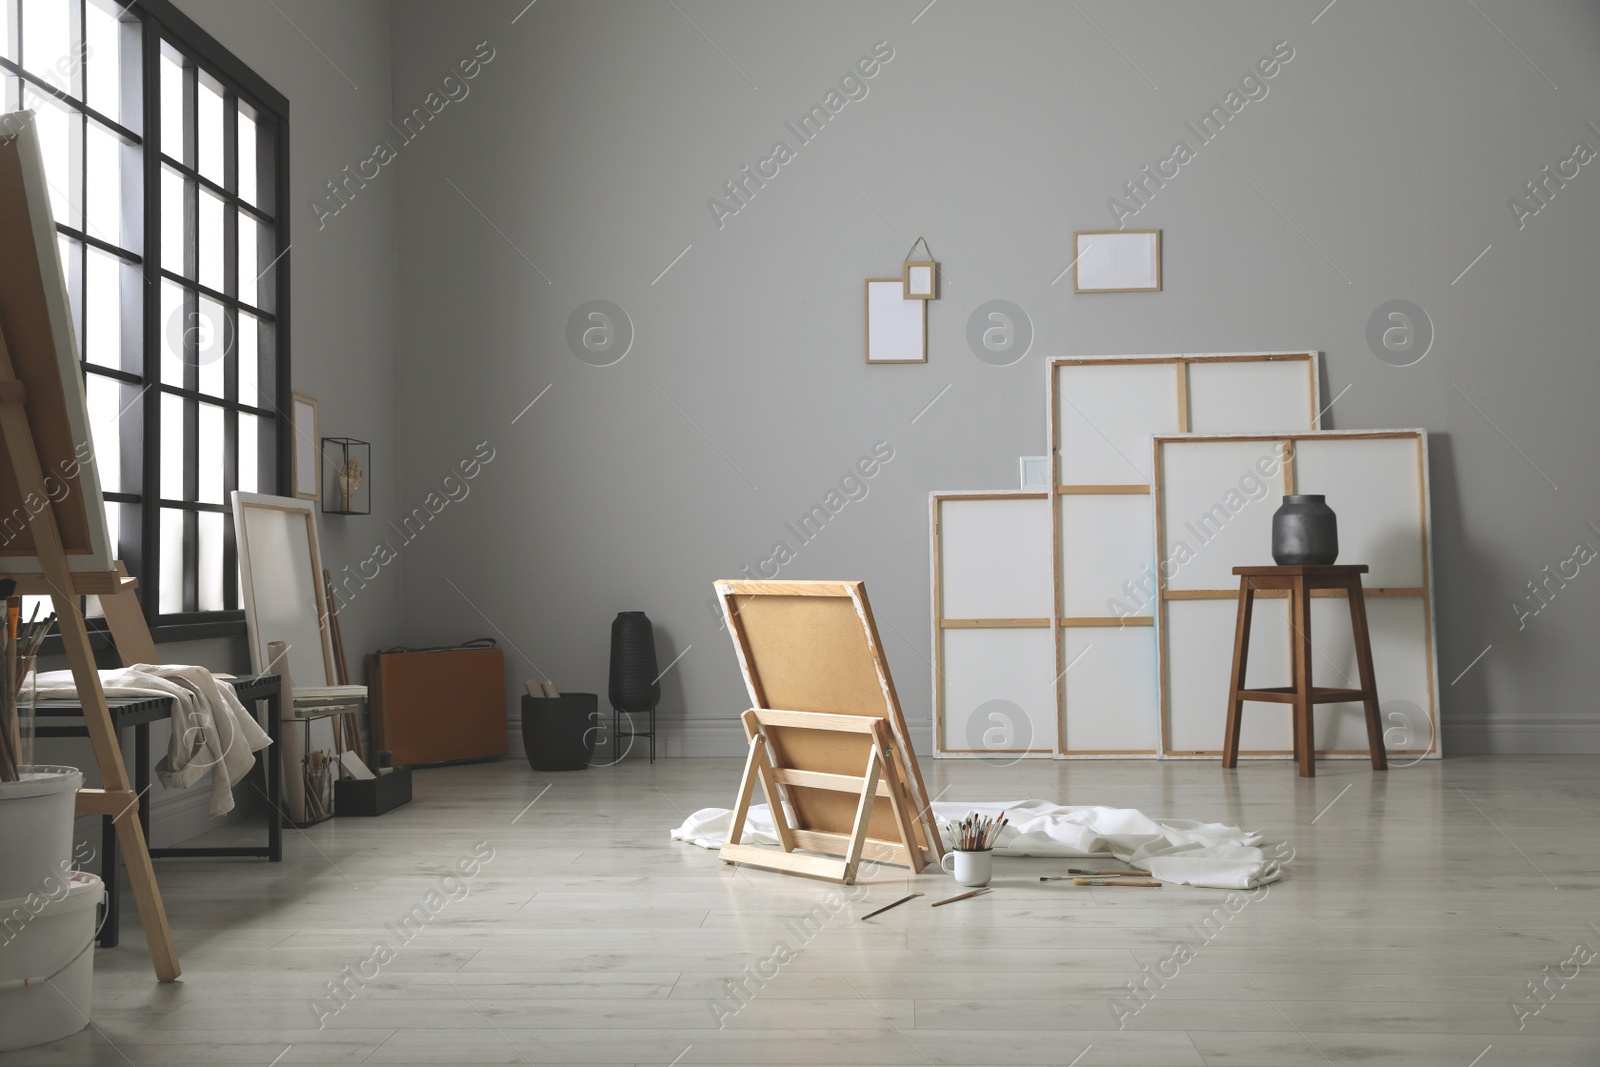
(1118, 262)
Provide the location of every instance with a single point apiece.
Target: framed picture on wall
(1117, 261)
(897, 328)
(307, 465)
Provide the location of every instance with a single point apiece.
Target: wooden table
(1300, 582)
(139, 713)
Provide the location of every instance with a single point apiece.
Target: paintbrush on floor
(958, 896)
(1073, 871)
(1121, 882)
(896, 904)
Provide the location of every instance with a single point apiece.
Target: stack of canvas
(1095, 618)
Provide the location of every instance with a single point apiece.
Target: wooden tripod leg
(1369, 683)
(1241, 657)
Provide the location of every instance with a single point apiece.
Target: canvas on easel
(828, 743)
(47, 474)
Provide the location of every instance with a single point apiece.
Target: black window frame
(160, 23)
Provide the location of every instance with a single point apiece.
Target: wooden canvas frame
(1189, 412)
(250, 560)
(919, 308)
(945, 626)
(305, 439)
(1079, 249)
(828, 741)
(44, 423)
(1376, 593)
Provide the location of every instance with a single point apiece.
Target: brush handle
(1099, 881)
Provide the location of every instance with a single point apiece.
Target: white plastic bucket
(38, 938)
(36, 827)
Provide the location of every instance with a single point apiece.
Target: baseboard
(1522, 737)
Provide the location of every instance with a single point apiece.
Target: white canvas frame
(1385, 522)
(307, 467)
(1107, 466)
(271, 572)
(992, 624)
(1117, 261)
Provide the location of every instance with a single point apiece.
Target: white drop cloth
(211, 730)
(1174, 850)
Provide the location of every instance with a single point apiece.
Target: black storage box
(558, 732)
(372, 796)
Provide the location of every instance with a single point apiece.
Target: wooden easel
(43, 420)
(828, 742)
(56, 579)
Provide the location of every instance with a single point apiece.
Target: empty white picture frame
(921, 280)
(307, 464)
(897, 328)
(994, 659)
(1215, 497)
(1117, 261)
(1103, 412)
(1033, 472)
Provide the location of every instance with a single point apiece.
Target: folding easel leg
(769, 783)
(858, 833)
(899, 802)
(108, 756)
(747, 785)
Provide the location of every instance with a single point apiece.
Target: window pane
(170, 602)
(103, 59)
(60, 144)
(210, 336)
(8, 37)
(173, 232)
(102, 332)
(245, 344)
(172, 104)
(105, 407)
(114, 529)
(174, 329)
(247, 153)
(172, 447)
(47, 43)
(212, 449)
(210, 222)
(209, 564)
(249, 428)
(208, 134)
(249, 265)
(104, 200)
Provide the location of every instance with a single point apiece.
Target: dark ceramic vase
(1305, 531)
(634, 688)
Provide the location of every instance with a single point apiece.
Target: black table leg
(273, 770)
(141, 775)
(110, 932)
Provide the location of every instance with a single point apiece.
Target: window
(166, 163)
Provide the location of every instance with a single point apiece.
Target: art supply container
(36, 828)
(971, 869)
(47, 961)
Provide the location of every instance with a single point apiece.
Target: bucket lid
(41, 781)
(85, 892)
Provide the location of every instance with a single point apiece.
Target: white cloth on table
(1214, 855)
(211, 729)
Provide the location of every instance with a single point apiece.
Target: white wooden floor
(1416, 908)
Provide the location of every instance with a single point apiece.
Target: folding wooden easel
(44, 423)
(828, 743)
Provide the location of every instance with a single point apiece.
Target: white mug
(972, 869)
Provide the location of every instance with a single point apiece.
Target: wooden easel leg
(769, 783)
(1369, 683)
(747, 785)
(858, 832)
(1300, 642)
(899, 801)
(1241, 657)
(108, 756)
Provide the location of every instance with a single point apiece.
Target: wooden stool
(1300, 582)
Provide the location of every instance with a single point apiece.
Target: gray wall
(1377, 167)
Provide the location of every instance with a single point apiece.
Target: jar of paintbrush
(971, 857)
